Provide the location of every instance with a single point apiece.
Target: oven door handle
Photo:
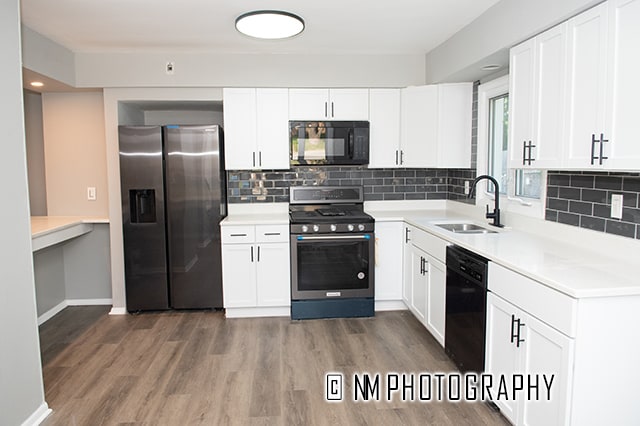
(332, 237)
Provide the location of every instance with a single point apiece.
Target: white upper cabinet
(537, 80)
(384, 128)
(329, 104)
(256, 128)
(435, 127)
(622, 126)
(586, 85)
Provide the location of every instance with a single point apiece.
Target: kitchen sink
(465, 228)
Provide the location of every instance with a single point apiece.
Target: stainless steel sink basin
(465, 228)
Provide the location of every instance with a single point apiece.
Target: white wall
(228, 70)
(160, 118)
(46, 57)
(74, 145)
(21, 388)
(35, 153)
(488, 38)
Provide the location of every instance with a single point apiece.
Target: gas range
(328, 210)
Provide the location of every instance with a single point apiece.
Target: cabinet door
(239, 128)
(622, 126)
(239, 275)
(272, 106)
(454, 125)
(407, 266)
(273, 269)
(521, 101)
(551, 48)
(419, 122)
(436, 298)
(309, 104)
(388, 258)
(349, 104)
(586, 78)
(546, 351)
(384, 132)
(501, 356)
(419, 279)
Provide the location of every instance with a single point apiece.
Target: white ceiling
(332, 26)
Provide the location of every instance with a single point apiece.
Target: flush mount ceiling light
(37, 83)
(269, 24)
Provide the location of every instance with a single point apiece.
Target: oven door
(332, 266)
(325, 142)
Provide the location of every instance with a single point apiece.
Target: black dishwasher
(466, 301)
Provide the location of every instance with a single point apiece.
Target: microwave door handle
(351, 143)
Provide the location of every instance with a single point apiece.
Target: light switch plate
(91, 193)
(616, 206)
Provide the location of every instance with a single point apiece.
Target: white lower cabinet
(425, 279)
(519, 344)
(255, 266)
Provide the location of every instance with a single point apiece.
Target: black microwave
(328, 142)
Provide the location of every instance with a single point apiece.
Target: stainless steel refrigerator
(173, 198)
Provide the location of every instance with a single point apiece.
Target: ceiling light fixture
(37, 83)
(491, 67)
(269, 24)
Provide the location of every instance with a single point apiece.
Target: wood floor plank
(198, 368)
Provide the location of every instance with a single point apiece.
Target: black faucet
(495, 215)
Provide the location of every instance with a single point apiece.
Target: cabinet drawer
(272, 233)
(238, 234)
(550, 306)
(434, 246)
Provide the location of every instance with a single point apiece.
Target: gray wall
(35, 153)
(46, 57)
(48, 268)
(488, 38)
(21, 391)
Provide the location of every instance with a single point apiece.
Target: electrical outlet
(466, 187)
(170, 68)
(91, 193)
(616, 206)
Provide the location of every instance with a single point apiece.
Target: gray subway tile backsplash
(584, 199)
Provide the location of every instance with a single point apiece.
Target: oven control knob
(361, 227)
(350, 227)
(305, 228)
(316, 228)
(333, 228)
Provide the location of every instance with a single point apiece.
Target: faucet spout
(495, 215)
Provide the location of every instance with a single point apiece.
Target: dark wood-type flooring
(187, 368)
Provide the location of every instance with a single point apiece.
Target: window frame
(510, 202)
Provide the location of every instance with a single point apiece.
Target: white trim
(71, 302)
(38, 416)
(51, 312)
(278, 311)
(88, 302)
(390, 305)
(118, 311)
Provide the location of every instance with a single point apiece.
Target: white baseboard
(390, 305)
(279, 311)
(71, 302)
(52, 312)
(88, 302)
(118, 311)
(38, 416)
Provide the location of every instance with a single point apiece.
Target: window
(521, 191)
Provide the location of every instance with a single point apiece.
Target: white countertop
(256, 219)
(573, 270)
(49, 230)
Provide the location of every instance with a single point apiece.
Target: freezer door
(143, 217)
(194, 194)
